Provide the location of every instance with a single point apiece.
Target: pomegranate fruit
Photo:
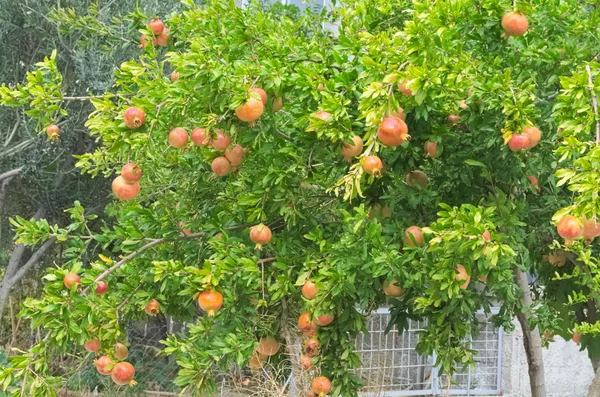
(131, 172)
(245, 382)
(70, 280)
(309, 290)
(534, 136)
(323, 115)
(487, 236)
(134, 117)
(431, 149)
(267, 346)
(372, 165)
(417, 177)
(392, 289)
(175, 76)
(306, 362)
(261, 235)
(577, 337)
(354, 149)
(145, 40)
(307, 326)
(483, 279)
(163, 38)
(413, 236)
(222, 142)
(156, 26)
(462, 275)
(569, 227)
(102, 288)
(53, 132)
(121, 351)
(122, 373)
(393, 131)
(324, 320)
(514, 24)
(277, 104)
(320, 87)
(124, 190)
(210, 302)
(403, 87)
(311, 347)
(518, 142)
(261, 93)
(250, 111)
(463, 105)
(221, 166)
(321, 386)
(548, 335)
(152, 308)
(399, 113)
(104, 365)
(256, 361)
(452, 120)
(200, 137)
(534, 181)
(557, 258)
(92, 345)
(235, 154)
(178, 137)
(591, 229)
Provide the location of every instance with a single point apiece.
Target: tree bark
(531, 340)
(594, 390)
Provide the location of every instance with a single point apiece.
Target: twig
(594, 102)
(317, 61)
(284, 136)
(14, 130)
(10, 174)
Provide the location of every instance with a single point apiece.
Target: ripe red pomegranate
(311, 347)
(92, 345)
(577, 337)
(462, 275)
(102, 288)
(306, 362)
(250, 111)
(452, 120)
(210, 302)
(569, 227)
(399, 113)
(534, 136)
(372, 165)
(392, 289)
(277, 104)
(156, 26)
(431, 149)
(324, 320)
(163, 38)
(70, 280)
(487, 236)
(131, 172)
(53, 132)
(124, 190)
(323, 115)
(260, 234)
(514, 24)
(414, 233)
(261, 93)
(417, 178)
(393, 131)
(403, 87)
(200, 137)
(591, 229)
(152, 308)
(307, 326)
(354, 149)
(145, 40)
(134, 117)
(557, 258)
(122, 373)
(519, 142)
(221, 166)
(121, 351)
(104, 365)
(320, 87)
(235, 154)
(534, 181)
(222, 142)
(178, 137)
(267, 346)
(321, 386)
(463, 105)
(175, 76)
(309, 290)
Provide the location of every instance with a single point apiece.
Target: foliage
(164, 245)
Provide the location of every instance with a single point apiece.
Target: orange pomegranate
(403, 87)
(514, 24)
(104, 365)
(354, 149)
(70, 280)
(569, 228)
(417, 178)
(462, 275)
(261, 93)
(235, 154)
(121, 351)
(307, 326)
(210, 302)
(222, 141)
(393, 131)
(324, 320)
(321, 386)
(413, 236)
(392, 289)
(152, 308)
(534, 136)
(53, 132)
(372, 165)
(200, 137)
(260, 234)
(431, 149)
(92, 345)
(250, 111)
(306, 362)
(178, 137)
(221, 166)
(309, 290)
(131, 172)
(134, 117)
(591, 229)
(122, 374)
(311, 347)
(267, 346)
(124, 190)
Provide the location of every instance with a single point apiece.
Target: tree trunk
(594, 390)
(531, 340)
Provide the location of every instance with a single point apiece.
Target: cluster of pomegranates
(527, 139)
(127, 186)
(266, 348)
(72, 279)
(160, 33)
(121, 372)
(571, 228)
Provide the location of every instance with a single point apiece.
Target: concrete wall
(568, 371)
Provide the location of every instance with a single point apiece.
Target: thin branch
(317, 61)
(284, 136)
(17, 148)
(594, 102)
(267, 260)
(34, 259)
(10, 174)
(14, 130)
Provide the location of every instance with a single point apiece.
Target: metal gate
(391, 367)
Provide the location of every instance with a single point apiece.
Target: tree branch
(37, 255)
(594, 102)
(11, 173)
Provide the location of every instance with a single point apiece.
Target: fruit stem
(258, 246)
(211, 313)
